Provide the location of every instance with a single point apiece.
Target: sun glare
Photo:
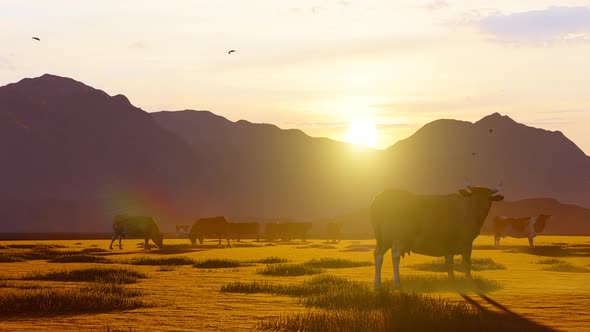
(362, 132)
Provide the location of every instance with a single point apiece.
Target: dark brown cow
(239, 229)
(209, 227)
(136, 226)
(428, 225)
(527, 227)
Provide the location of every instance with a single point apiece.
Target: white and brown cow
(527, 227)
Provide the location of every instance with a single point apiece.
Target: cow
(206, 227)
(237, 230)
(334, 228)
(137, 226)
(182, 230)
(527, 227)
(288, 230)
(441, 225)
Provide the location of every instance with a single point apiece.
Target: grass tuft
(550, 261)
(335, 263)
(219, 264)
(316, 246)
(566, 267)
(180, 260)
(289, 270)
(59, 301)
(80, 258)
(477, 264)
(270, 260)
(166, 268)
(104, 275)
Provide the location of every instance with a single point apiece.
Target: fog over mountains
(73, 156)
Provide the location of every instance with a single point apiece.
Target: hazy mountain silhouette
(75, 156)
(530, 162)
(268, 172)
(63, 140)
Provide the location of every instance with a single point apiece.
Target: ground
(188, 298)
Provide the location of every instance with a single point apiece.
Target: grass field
(548, 286)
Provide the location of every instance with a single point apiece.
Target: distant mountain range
(72, 156)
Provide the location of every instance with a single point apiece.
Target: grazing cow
(207, 227)
(182, 230)
(527, 227)
(288, 230)
(334, 231)
(136, 226)
(444, 225)
(237, 230)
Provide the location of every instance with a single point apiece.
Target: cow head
(482, 193)
(540, 222)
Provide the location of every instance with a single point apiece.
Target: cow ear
(465, 193)
(496, 198)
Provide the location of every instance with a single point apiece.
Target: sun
(362, 132)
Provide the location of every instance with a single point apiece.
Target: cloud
(550, 24)
(138, 45)
(434, 5)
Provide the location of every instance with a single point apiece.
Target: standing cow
(239, 229)
(429, 225)
(207, 227)
(136, 226)
(527, 227)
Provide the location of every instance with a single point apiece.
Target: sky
(319, 65)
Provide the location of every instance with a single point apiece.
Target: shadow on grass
(554, 250)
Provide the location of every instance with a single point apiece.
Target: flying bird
(231, 51)
(473, 154)
(491, 130)
(37, 38)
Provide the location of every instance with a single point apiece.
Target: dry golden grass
(477, 264)
(189, 299)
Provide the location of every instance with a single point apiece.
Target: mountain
(530, 162)
(73, 156)
(268, 172)
(62, 140)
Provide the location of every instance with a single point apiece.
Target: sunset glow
(362, 132)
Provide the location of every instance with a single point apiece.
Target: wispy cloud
(547, 25)
(434, 5)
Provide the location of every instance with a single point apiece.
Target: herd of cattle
(435, 225)
(216, 227)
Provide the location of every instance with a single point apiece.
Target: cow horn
(498, 187)
(467, 184)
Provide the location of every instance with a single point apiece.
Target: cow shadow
(503, 319)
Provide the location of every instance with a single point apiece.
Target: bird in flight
(37, 38)
(231, 51)
(473, 154)
(491, 131)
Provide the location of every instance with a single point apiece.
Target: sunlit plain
(188, 298)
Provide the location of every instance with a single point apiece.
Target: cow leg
(496, 242)
(467, 264)
(449, 266)
(120, 246)
(112, 240)
(395, 258)
(378, 257)
(531, 245)
(146, 245)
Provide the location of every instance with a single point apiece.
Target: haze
(318, 65)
